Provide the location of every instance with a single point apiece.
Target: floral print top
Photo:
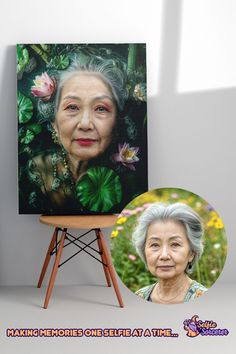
(196, 289)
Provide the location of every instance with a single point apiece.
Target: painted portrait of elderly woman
(168, 246)
(82, 127)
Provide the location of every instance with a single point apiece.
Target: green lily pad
(26, 136)
(25, 108)
(35, 128)
(59, 62)
(22, 57)
(99, 189)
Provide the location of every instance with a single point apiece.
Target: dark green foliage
(25, 108)
(99, 189)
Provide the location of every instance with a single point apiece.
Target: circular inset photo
(168, 246)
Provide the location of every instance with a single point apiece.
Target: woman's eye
(72, 107)
(154, 245)
(175, 244)
(101, 109)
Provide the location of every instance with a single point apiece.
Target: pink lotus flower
(127, 155)
(44, 87)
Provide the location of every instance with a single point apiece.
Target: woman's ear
(54, 127)
(192, 255)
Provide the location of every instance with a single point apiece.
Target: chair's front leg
(110, 268)
(105, 267)
(48, 256)
(55, 268)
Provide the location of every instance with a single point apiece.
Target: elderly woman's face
(167, 249)
(86, 116)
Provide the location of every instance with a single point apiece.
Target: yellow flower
(219, 224)
(114, 233)
(190, 199)
(210, 223)
(121, 220)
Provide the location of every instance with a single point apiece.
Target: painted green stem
(132, 57)
(39, 51)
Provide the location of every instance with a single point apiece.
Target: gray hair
(176, 212)
(111, 71)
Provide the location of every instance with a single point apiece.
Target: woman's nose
(85, 121)
(164, 253)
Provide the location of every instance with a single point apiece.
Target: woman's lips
(165, 268)
(85, 141)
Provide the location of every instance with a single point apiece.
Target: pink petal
(36, 92)
(130, 166)
(124, 147)
(117, 157)
(120, 147)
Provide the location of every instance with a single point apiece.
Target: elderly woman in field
(168, 238)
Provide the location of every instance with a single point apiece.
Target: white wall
(191, 108)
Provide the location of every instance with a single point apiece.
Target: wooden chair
(92, 222)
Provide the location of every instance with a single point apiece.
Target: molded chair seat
(79, 222)
(91, 222)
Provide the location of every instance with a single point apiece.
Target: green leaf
(99, 189)
(25, 108)
(27, 137)
(22, 57)
(35, 128)
(59, 62)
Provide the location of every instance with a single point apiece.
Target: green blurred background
(130, 267)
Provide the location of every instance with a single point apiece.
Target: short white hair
(112, 72)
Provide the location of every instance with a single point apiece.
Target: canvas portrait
(82, 127)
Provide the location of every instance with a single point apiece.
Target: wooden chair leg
(48, 256)
(55, 269)
(110, 267)
(105, 268)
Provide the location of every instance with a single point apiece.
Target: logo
(194, 327)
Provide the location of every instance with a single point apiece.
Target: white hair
(112, 72)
